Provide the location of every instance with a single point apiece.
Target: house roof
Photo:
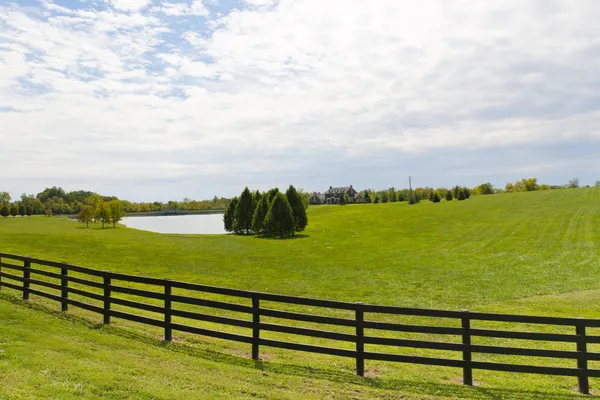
(338, 190)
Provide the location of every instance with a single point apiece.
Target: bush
(4, 211)
(435, 197)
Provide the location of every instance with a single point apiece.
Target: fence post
(64, 285)
(582, 364)
(467, 356)
(107, 282)
(255, 326)
(168, 329)
(360, 340)
(26, 277)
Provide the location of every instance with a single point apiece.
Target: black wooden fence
(465, 332)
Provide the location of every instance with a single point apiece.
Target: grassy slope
(489, 253)
(51, 355)
(435, 255)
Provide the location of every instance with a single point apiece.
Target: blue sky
(166, 99)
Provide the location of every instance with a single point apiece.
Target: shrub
(435, 197)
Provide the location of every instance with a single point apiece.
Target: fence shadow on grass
(422, 388)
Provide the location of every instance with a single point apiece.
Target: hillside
(456, 254)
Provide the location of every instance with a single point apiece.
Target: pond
(207, 224)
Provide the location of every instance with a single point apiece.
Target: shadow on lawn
(297, 236)
(420, 388)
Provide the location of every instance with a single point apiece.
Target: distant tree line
(392, 195)
(271, 214)
(457, 192)
(55, 201)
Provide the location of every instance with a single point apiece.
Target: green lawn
(530, 253)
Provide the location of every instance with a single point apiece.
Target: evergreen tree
(376, 200)
(260, 212)
(272, 193)
(298, 210)
(435, 197)
(244, 212)
(449, 195)
(280, 218)
(255, 199)
(29, 211)
(229, 216)
(14, 211)
(366, 196)
(4, 211)
(461, 194)
(22, 210)
(467, 192)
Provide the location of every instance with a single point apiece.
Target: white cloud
(129, 5)
(140, 87)
(196, 7)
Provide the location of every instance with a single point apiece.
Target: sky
(165, 99)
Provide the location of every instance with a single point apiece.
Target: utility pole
(410, 183)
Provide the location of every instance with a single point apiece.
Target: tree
(461, 194)
(5, 198)
(48, 212)
(467, 192)
(384, 197)
(244, 212)
(22, 210)
(529, 184)
(229, 216)
(485, 188)
(4, 211)
(14, 210)
(435, 198)
(298, 210)
(413, 198)
(272, 193)
(280, 218)
(449, 195)
(392, 195)
(573, 183)
(597, 184)
(346, 198)
(116, 212)
(260, 212)
(367, 196)
(86, 214)
(29, 211)
(376, 200)
(103, 213)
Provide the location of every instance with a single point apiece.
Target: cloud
(129, 5)
(195, 7)
(144, 90)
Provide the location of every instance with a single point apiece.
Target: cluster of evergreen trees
(15, 210)
(271, 213)
(416, 195)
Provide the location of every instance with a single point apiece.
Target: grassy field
(531, 253)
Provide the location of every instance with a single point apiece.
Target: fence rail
(20, 278)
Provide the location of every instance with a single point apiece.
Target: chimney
(350, 186)
(330, 187)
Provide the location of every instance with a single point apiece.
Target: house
(334, 194)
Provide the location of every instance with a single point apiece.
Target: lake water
(192, 224)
